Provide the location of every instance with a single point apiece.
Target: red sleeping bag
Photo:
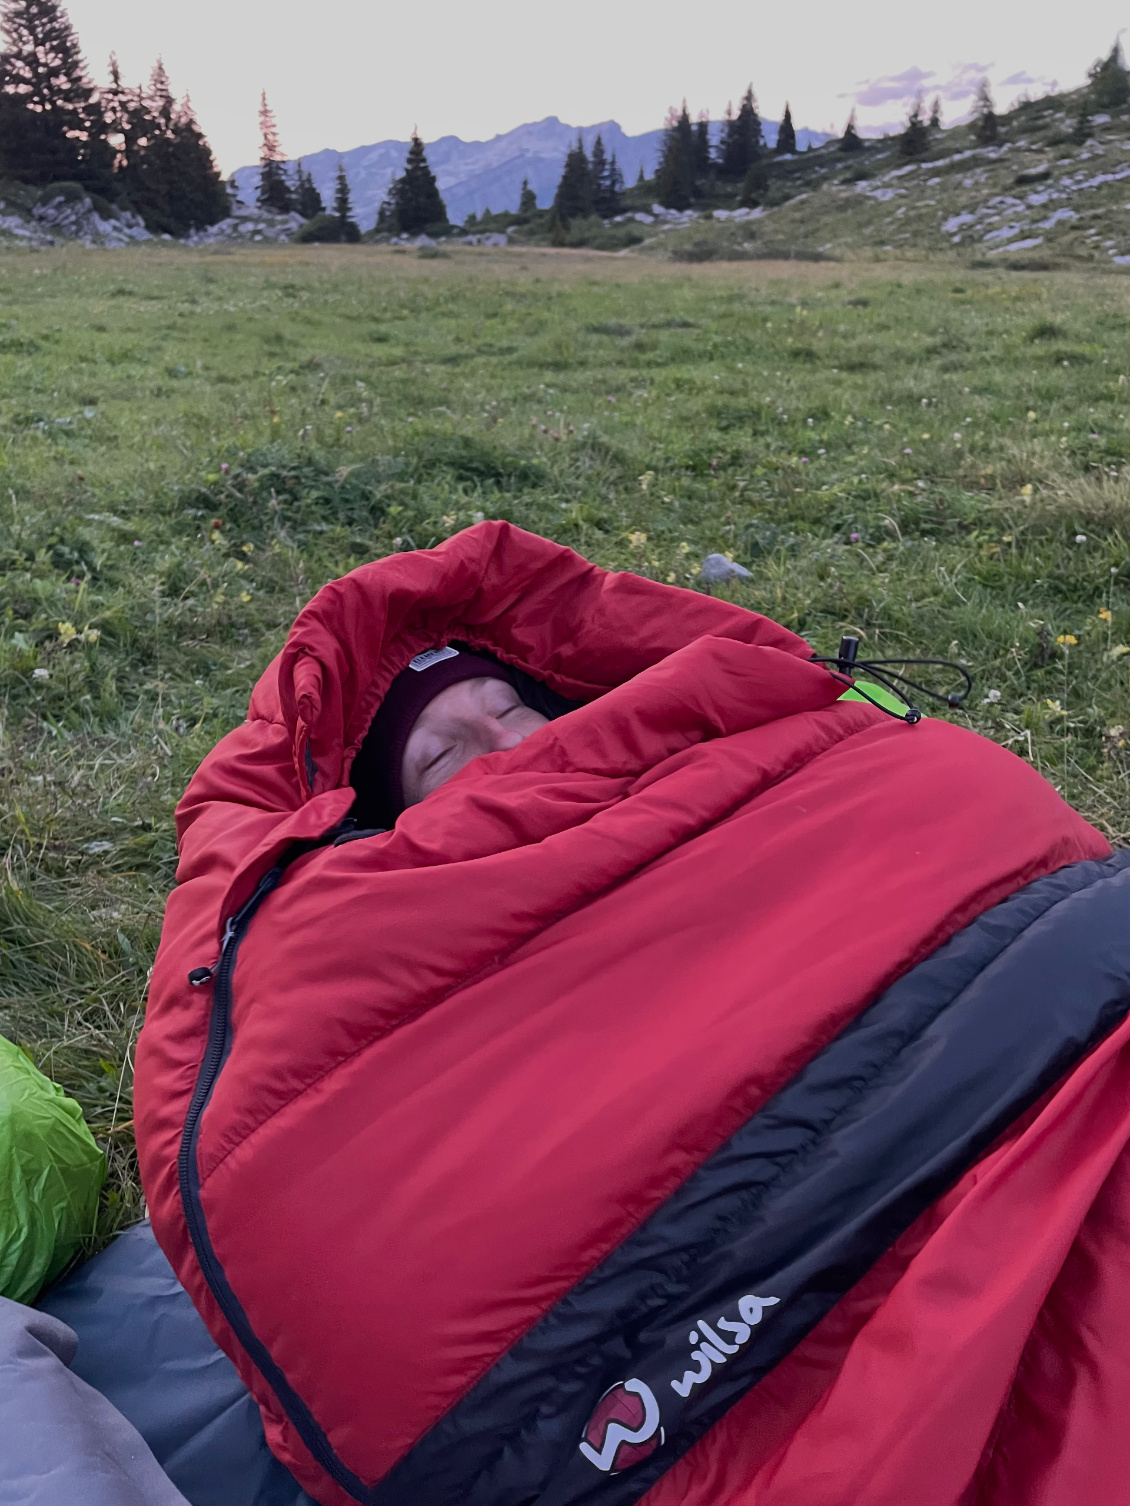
(685, 1105)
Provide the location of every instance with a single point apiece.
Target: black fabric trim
(801, 1202)
(797, 1205)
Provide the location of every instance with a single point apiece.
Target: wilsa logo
(624, 1428)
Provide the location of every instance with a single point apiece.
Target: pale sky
(342, 73)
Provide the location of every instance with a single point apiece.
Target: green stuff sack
(51, 1172)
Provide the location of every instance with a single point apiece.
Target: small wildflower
(1104, 614)
(448, 520)
(217, 523)
(671, 578)
(1119, 651)
(224, 467)
(339, 414)
(637, 540)
(91, 635)
(245, 596)
(1031, 416)
(1069, 640)
(854, 538)
(957, 438)
(991, 698)
(1026, 491)
(1055, 708)
(684, 547)
(1080, 538)
(645, 480)
(41, 674)
(804, 460)
(248, 548)
(137, 543)
(1094, 436)
(908, 452)
(67, 631)
(925, 436)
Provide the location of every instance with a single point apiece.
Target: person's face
(466, 719)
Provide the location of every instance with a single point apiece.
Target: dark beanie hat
(376, 773)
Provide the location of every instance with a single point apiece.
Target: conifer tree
(613, 203)
(51, 123)
(527, 200)
(274, 188)
(986, 127)
(1084, 127)
(347, 227)
(675, 180)
(851, 140)
(1110, 80)
(936, 113)
(702, 160)
(164, 163)
(786, 135)
(742, 142)
(915, 138)
(418, 205)
(598, 168)
(640, 178)
(307, 199)
(754, 184)
(574, 196)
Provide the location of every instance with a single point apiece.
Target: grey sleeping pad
(61, 1443)
(143, 1345)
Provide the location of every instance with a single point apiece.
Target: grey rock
(716, 568)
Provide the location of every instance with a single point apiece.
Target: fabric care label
(432, 656)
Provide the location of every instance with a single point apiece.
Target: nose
(501, 738)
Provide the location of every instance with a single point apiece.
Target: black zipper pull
(201, 975)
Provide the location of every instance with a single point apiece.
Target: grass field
(192, 443)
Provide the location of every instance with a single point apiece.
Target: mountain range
(478, 175)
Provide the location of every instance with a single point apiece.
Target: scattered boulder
(717, 568)
(248, 223)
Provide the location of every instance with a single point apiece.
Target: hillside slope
(1038, 197)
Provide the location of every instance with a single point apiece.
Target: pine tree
(574, 196)
(936, 113)
(742, 142)
(164, 163)
(598, 168)
(527, 200)
(308, 201)
(274, 187)
(702, 159)
(675, 180)
(640, 178)
(614, 203)
(915, 139)
(786, 135)
(196, 195)
(348, 229)
(51, 124)
(986, 126)
(1109, 79)
(1084, 127)
(419, 207)
(851, 140)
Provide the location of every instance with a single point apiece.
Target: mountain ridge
(477, 175)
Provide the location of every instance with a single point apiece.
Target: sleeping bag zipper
(221, 975)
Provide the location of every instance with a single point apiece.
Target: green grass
(193, 443)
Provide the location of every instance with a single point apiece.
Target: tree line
(133, 146)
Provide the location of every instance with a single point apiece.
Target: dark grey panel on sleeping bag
(142, 1344)
(61, 1443)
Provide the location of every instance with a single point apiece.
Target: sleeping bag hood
(698, 1101)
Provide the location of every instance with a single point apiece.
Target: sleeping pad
(720, 1098)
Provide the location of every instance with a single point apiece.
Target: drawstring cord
(847, 662)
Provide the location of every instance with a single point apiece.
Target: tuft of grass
(193, 443)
